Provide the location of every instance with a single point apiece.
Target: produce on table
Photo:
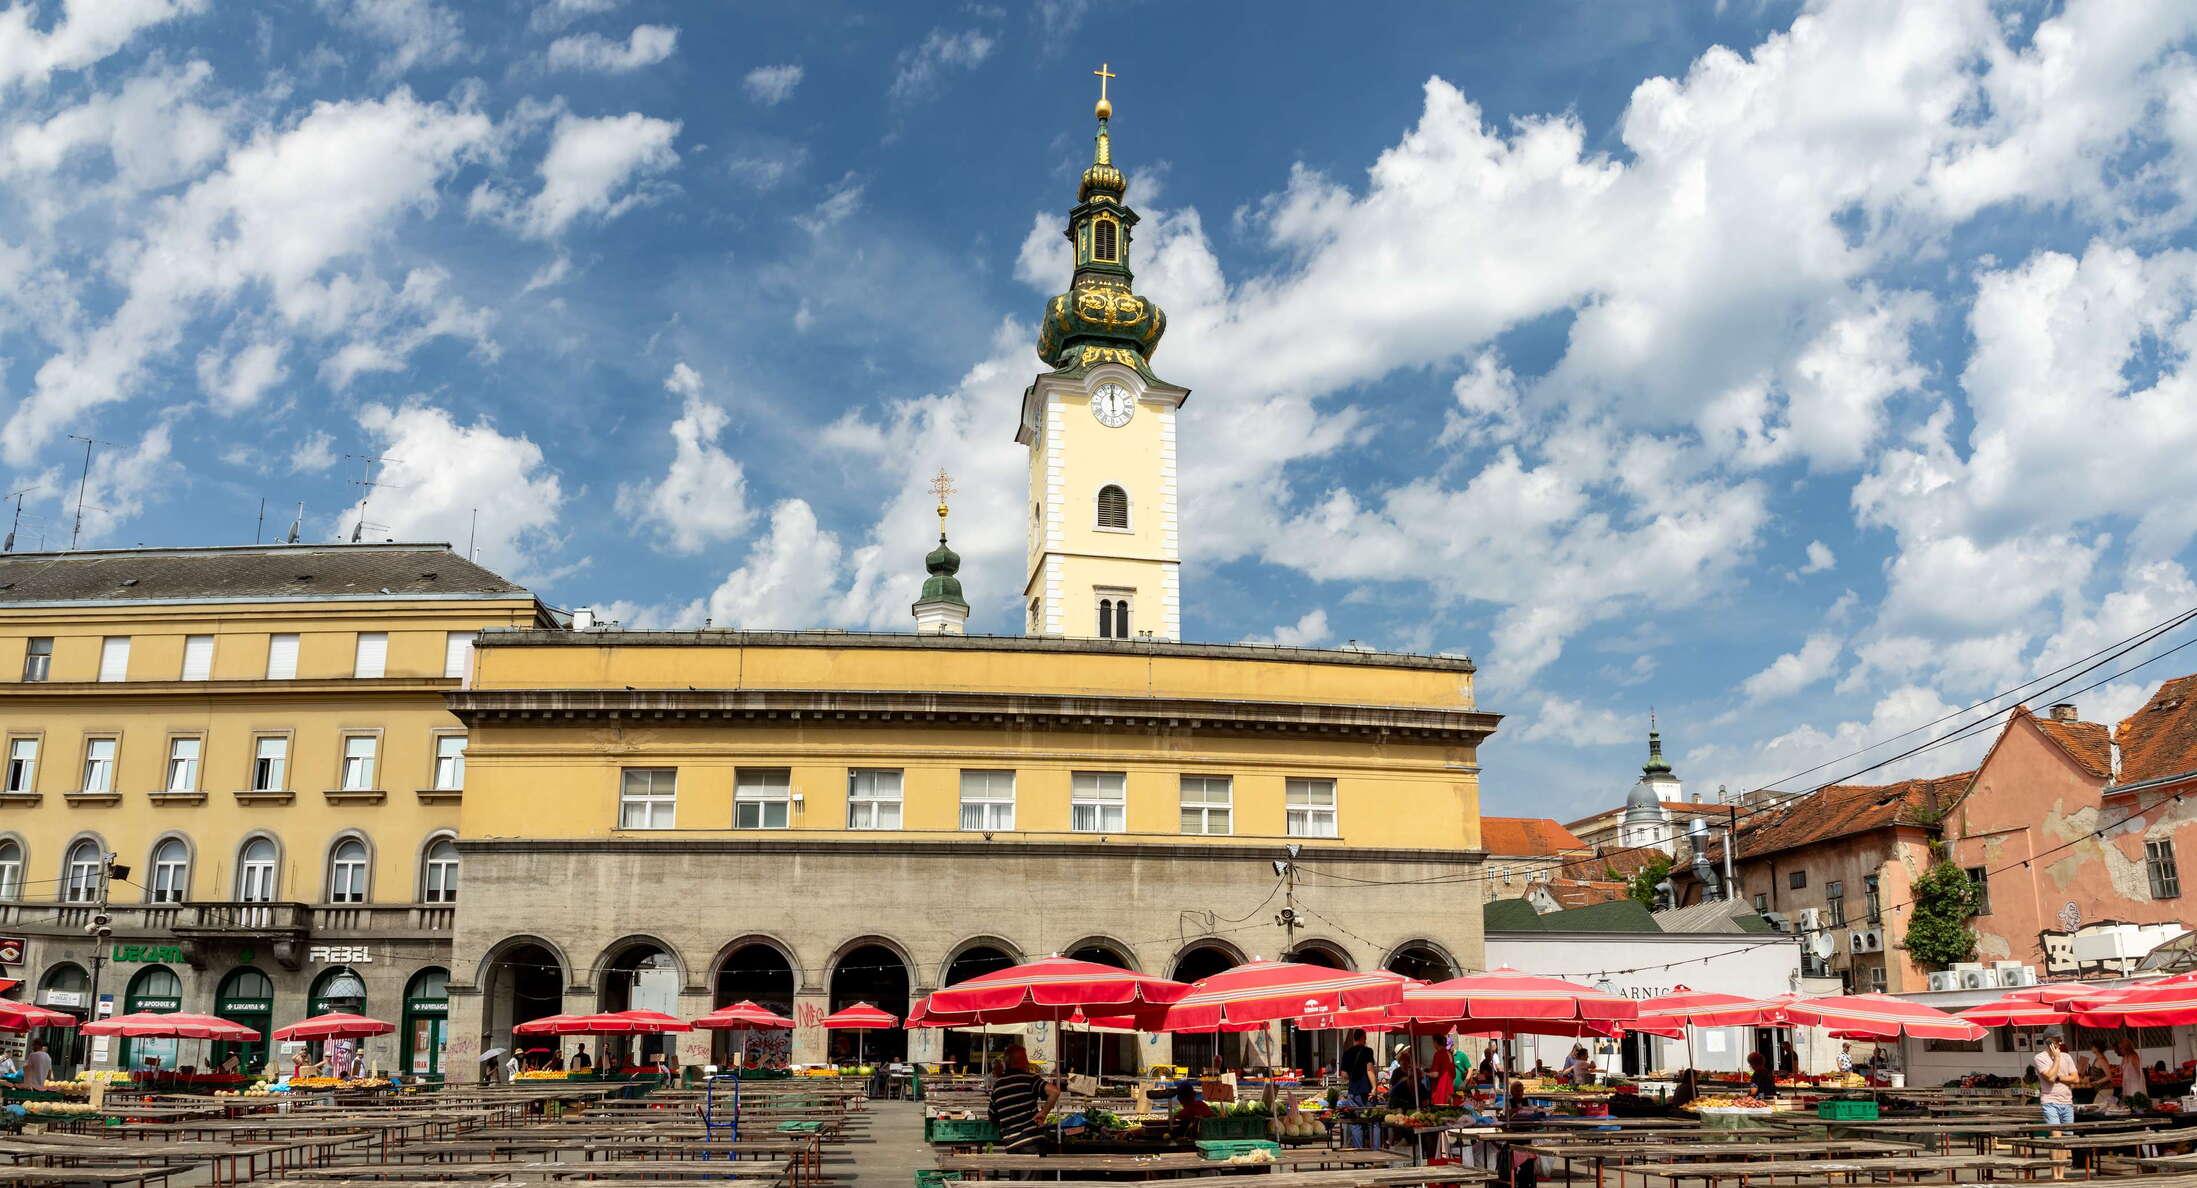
(1749, 1102)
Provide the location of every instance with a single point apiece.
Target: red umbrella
(1751, 1012)
(860, 1017)
(2167, 1002)
(1507, 1000)
(1049, 990)
(546, 1025)
(22, 1016)
(335, 1025)
(152, 1025)
(744, 1016)
(649, 1022)
(1878, 1016)
(1250, 996)
(2054, 993)
(2014, 1012)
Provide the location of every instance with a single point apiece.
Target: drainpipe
(1731, 839)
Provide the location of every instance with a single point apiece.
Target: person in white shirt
(7, 1064)
(511, 1068)
(37, 1067)
(1846, 1058)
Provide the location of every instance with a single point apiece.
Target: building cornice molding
(864, 848)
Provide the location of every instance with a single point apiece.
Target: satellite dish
(1822, 945)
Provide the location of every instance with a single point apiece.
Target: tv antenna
(367, 482)
(16, 524)
(82, 479)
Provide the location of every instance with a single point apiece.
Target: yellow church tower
(1104, 555)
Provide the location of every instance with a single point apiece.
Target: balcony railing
(383, 919)
(237, 917)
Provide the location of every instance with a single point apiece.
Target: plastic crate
(1843, 1110)
(927, 1177)
(960, 1130)
(1230, 1148)
(1250, 1126)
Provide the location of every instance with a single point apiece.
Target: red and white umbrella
(649, 1022)
(334, 1025)
(1248, 997)
(1879, 1016)
(2167, 1002)
(744, 1016)
(1047, 990)
(22, 1016)
(1506, 1000)
(174, 1025)
(1751, 1012)
(859, 1018)
(2014, 1012)
(2054, 994)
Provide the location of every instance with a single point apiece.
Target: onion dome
(1101, 319)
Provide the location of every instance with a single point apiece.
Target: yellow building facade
(256, 740)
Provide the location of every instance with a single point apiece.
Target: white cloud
(154, 131)
(315, 454)
(1794, 671)
(702, 498)
(791, 578)
(87, 31)
(1309, 631)
(417, 32)
(117, 487)
(1561, 719)
(237, 383)
(593, 168)
(773, 85)
(645, 46)
(548, 16)
(845, 198)
(1820, 558)
(439, 473)
(923, 66)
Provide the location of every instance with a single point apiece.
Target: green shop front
(426, 1022)
(246, 996)
(154, 989)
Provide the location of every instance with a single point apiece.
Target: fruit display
(1251, 1158)
(1749, 1102)
(315, 1083)
(58, 1109)
(532, 1074)
(1298, 1125)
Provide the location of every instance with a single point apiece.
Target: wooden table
(1166, 1162)
(1368, 1177)
(2103, 1142)
(1904, 1169)
(1629, 1156)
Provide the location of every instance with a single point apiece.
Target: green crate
(960, 1130)
(1230, 1148)
(927, 1177)
(1845, 1110)
(1247, 1126)
(799, 1127)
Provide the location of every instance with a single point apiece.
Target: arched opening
(245, 996)
(154, 989)
(969, 1047)
(426, 1016)
(81, 871)
(1103, 246)
(1200, 1053)
(171, 871)
(1104, 1051)
(1113, 507)
(876, 975)
(339, 989)
(1421, 962)
(1312, 1050)
(760, 974)
(641, 977)
(439, 871)
(66, 987)
(347, 871)
(523, 981)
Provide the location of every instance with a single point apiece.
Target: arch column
(810, 1041)
(692, 1047)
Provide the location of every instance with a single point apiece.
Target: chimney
(2065, 712)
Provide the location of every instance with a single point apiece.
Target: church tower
(1647, 823)
(1104, 557)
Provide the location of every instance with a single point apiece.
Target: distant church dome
(1646, 822)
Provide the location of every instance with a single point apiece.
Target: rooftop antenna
(366, 482)
(82, 479)
(16, 524)
(296, 525)
(473, 534)
(259, 526)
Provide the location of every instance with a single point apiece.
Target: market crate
(1845, 1110)
(931, 1177)
(1250, 1126)
(960, 1130)
(1230, 1148)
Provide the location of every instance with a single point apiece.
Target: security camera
(102, 920)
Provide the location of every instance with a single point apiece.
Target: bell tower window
(1113, 507)
(1103, 246)
(1113, 616)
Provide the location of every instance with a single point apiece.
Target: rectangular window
(457, 654)
(442, 877)
(1797, 879)
(2166, 877)
(170, 872)
(198, 657)
(270, 763)
(449, 762)
(648, 797)
(1980, 878)
(1875, 900)
(1098, 801)
(988, 800)
(373, 655)
(22, 765)
(1310, 805)
(1834, 902)
(1206, 804)
(347, 877)
(873, 799)
(114, 658)
(282, 657)
(38, 659)
(1876, 979)
(99, 764)
(86, 865)
(183, 756)
(1762, 903)
(358, 762)
(762, 798)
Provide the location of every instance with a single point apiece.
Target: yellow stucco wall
(1073, 457)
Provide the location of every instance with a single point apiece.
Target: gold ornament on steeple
(942, 485)
(1105, 107)
(1102, 179)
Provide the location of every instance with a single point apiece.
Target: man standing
(37, 1067)
(1357, 1066)
(1020, 1100)
(2056, 1077)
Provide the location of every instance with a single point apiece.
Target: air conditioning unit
(1811, 919)
(1872, 940)
(1857, 941)
(1777, 921)
(1966, 966)
(2021, 975)
(1944, 979)
(1979, 979)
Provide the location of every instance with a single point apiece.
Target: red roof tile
(1574, 893)
(2085, 742)
(2160, 739)
(1526, 836)
(1620, 861)
(1842, 810)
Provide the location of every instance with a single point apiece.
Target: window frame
(246, 868)
(157, 870)
(348, 880)
(1796, 880)
(2163, 868)
(1873, 892)
(275, 647)
(11, 869)
(1834, 901)
(344, 759)
(875, 802)
(1205, 807)
(430, 865)
(197, 782)
(1979, 877)
(988, 804)
(32, 658)
(379, 651)
(1296, 816)
(206, 670)
(745, 796)
(76, 885)
(29, 785)
(648, 800)
(450, 651)
(106, 646)
(435, 759)
(1105, 233)
(254, 758)
(114, 765)
(1121, 604)
(1098, 510)
(1081, 800)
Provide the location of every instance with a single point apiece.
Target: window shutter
(198, 657)
(373, 654)
(1113, 507)
(457, 655)
(114, 658)
(282, 657)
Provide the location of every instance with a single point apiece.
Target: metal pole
(82, 478)
(100, 933)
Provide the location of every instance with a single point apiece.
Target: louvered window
(1102, 240)
(1113, 507)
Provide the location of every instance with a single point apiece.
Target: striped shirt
(1018, 1099)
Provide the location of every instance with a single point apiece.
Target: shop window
(347, 872)
(1207, 804)
(873, 799)
(22, 765)
(2166, 877)
(1098, 801)
(988, 800)
(1310, 807)
(762, 798)
(648, 797)
(38, 659)
(171, 874)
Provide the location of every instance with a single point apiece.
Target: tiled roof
(2160, 739)
(281, 572)
(2085, 742)
(1526, 836)
(1573, 893)
(1608, 861)
(1842, 810)
(1716, 915)
(1516, 915)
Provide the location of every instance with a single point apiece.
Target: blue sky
(1803, 371)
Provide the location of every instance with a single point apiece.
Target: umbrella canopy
(2055, 994)
(1684, 1003)
(2014, 1012)
(613, 1023)
(649, 1022)
(22, 1016)
(1249, 996)
(546, 1025)
(860, 1017)
(150, 1025)
(1878, 1016)
(1750, 1012)
(334, 1025)
(1507, 1000)
(2168, 1002)
(743, 1016)
(1050, 990)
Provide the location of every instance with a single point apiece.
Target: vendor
(1689, 1087)
(1403, 1081)
(1765, 1081)
(1190, 1110)
(1020, 1101)
(1579, 1068)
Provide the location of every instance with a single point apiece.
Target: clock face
(1113, 405)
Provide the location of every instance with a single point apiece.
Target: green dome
(942, 585)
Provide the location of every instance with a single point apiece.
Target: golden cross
(942, 485)
(1103, 74)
